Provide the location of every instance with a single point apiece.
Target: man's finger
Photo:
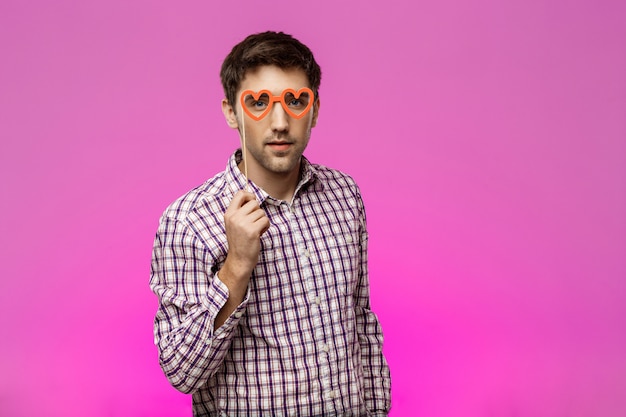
(240, 199)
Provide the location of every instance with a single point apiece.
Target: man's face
(275, 143)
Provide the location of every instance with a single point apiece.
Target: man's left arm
(377, 379)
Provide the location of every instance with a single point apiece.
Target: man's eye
(292, 101)
(259, 103)
(253, 104)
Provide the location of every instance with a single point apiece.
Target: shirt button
(238, 314)
(331, 394)
(318, 300)
(325, 347)
(349, 239)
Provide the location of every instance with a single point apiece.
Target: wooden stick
(244, 151)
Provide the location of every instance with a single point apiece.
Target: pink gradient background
(489, 139)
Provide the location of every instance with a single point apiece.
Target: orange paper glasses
(296, 104)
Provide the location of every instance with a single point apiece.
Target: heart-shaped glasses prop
(257, 105)
(296, 104)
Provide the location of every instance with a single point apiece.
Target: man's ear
(229, 114)
(316, 110)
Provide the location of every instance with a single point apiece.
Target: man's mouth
(279, 146)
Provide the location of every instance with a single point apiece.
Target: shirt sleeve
(377, 378)
(190, 296)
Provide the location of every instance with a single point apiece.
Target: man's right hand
(245, 222)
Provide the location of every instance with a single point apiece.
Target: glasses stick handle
(244, 151)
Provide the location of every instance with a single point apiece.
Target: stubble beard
(279, 162)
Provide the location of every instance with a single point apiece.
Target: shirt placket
(319, 311)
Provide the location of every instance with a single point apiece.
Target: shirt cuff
(215, 299)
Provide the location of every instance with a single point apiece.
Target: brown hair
(267, 48)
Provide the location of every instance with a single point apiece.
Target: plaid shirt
(304, 341)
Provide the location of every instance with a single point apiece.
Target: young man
(262, 280)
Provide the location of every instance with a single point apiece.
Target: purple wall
(489, 139)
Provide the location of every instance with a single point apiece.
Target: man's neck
(278, 186)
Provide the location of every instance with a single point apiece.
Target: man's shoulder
(335, 181)
(209, 193)
(333, 177)
(339, 188)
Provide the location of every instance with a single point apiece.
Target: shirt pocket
(343, 264)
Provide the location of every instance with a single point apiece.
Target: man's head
(264, 49)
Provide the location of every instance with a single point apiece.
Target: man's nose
(279, 118)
